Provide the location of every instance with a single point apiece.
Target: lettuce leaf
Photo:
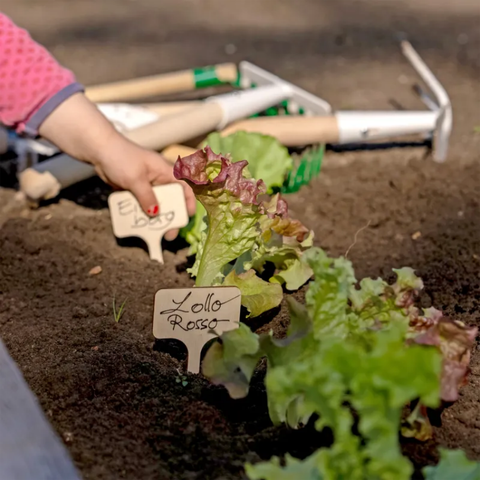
(267, 158)
(282, 242)
(376, 377)
(230, 201)
(192, 233)
(294, 469)
(453, 465)
(258, 296)
(337, 305)
(454, 340)
(328, 381)
(327, 296)
(354, 355)
(417, 425)
(232, 361)
(240, 234)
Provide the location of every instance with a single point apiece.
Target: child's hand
(128, 167)
(51, 103)
(79, 129)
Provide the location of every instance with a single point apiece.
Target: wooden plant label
(196, 315)
(129, 220)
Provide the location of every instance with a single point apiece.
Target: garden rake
(360, 127)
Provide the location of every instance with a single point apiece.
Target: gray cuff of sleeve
(32, 126)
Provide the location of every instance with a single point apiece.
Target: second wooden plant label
(196, 315)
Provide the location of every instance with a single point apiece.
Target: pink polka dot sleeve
(32, 83)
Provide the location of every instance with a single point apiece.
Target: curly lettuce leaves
(335, 304)
(239, 228)
(328, 295)
(258, 296)
(375, 377)
(293, 470)
(453, 465)
(230, 201)
(352, 348)
(232, 361)
(454, 340)
(267, 158)
(282, 242)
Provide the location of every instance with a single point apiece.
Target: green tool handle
(166, 83)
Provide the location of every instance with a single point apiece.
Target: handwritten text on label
(129, 220)
(137, 218)
(195, 316)
(209, 305)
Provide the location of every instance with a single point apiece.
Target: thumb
(143, 192)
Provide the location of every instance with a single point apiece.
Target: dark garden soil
(111, 392)
(108, 388)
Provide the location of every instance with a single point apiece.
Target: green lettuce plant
(354, 355)
(453, 465)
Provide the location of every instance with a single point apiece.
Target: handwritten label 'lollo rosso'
(129, 220)
(196, 315)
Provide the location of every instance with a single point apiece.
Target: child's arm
(32, 83)
(78, 128)
(38, 96)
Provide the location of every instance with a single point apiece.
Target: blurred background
(345, 51)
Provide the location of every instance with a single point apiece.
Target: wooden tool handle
(226, 72)
(47, 178)
(172, 152)
(291, 131)
(168, 108)
(162, 84)
(178, 127)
